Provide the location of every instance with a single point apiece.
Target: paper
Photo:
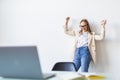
(81, 76)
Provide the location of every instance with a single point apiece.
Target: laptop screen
(20, 62)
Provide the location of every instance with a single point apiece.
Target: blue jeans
(82, 58)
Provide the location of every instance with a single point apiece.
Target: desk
(58, 77)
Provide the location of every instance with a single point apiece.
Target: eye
(83, 25)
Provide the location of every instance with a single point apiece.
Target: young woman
(84, 49)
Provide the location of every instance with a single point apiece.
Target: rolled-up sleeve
(69, 32)
(101, 36)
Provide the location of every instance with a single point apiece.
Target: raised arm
(102, 34)
(66, 30)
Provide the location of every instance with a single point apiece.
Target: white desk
(59, 76)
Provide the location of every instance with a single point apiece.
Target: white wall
(40, 22)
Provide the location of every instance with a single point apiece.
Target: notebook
(21, 62)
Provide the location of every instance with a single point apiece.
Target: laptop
(21, 62)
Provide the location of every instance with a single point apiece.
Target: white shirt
(83, 40)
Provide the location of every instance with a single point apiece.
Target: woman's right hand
(67, 19)
(103, 22)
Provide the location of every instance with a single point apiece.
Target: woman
(84, 49)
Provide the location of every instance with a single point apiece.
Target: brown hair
(88, 26)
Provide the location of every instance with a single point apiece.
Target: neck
(84, 31)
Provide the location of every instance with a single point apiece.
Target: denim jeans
(82, 58)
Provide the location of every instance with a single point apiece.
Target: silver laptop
(21, 62)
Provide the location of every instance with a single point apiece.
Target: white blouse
(83, 40)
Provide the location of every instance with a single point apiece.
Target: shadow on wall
(102, 60)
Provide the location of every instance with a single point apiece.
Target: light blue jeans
(82, 59)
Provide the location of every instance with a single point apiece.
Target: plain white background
(40, 22)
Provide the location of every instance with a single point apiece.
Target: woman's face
(83, 26)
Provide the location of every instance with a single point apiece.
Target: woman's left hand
(103, 23)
